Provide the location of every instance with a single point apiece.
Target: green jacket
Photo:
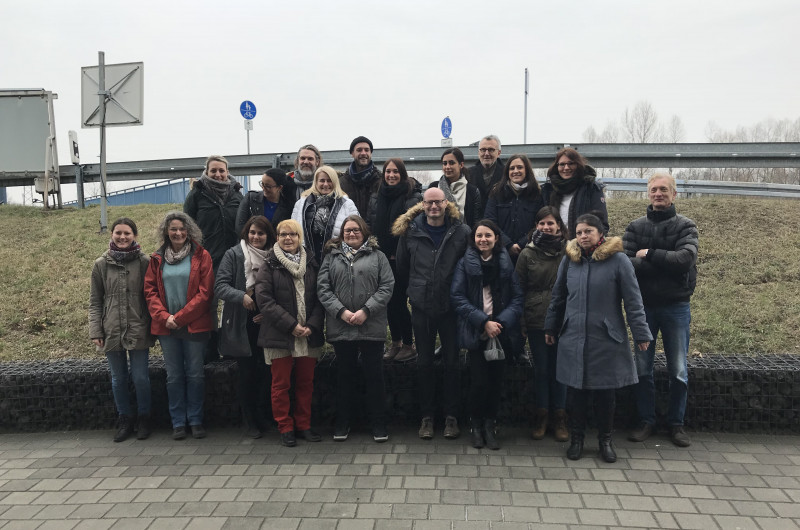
(117, 308)
(537, 270)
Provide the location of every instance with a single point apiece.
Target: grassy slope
(747, 298)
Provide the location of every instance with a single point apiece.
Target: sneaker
(641, 433)
(340, 433)
(124, 428)
(391, 353)
(406, 353)
(451, 430)
(309, 435)
(179, 433)
(379, 434)
(680, 437)
(198, 431)
(426, 429)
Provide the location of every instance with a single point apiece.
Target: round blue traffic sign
(248, 110)
(447, 127)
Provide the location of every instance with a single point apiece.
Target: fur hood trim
(401, 224)
(611, 246)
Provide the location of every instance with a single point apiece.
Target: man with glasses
(273, 201)
(306, 163)
(488, 170)
(662, 246)
(432, 240)
(361, 179)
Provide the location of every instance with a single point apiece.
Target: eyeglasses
(562, 165)
(489, 150)
(434, 202)
(269, 186)
(352, 230)
(288, 234)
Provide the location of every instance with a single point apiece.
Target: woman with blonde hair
(286, 294)
(321, 210)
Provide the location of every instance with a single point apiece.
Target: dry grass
(747, 298)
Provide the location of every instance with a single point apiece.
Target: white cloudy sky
(325, 72)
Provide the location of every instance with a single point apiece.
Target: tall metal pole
(525, 128)
(102, 94)
(248, 141)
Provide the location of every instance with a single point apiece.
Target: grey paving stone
(695, 521)
(597, 517)
(734, 521)
(357, 495)
(600, 501)
(558, 515)
(635, 518)
(267, 509)
(124, 510)
(55, 511)
(89, 511)
(714, 507)
(245, 523)
(776, 524)
(675, 504)
(162, 509)
(410, 511)
(119, 496)
(101, 524)
(374, 511)
(389, 496)
(452, 512)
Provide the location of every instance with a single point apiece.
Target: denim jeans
(118, 365)
(673, 321)
(550, 394)
(185, 379)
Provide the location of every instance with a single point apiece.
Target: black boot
(489, 435)
(124, 428)
(607, 448)
(476, 432)
(575, 450)
(143, 428)
(251, 429)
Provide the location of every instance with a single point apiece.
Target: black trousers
(397, 311)
(347, 354)
(425, 330)
(254, 380)
(485, 385)
(604, 402)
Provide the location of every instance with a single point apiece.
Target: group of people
(485, 257)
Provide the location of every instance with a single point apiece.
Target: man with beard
(362, 178)
(488, 170)
(308, 160)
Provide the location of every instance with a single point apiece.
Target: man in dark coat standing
(663, 249)
(362, 178)
(432, 240)
(488, 170)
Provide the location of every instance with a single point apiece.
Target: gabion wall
(730, 393)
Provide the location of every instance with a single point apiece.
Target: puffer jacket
(514, 214)
(593, 347)
(217, 220)
(276, 297)
(365, 283)
(588, 197)
(342, 208)
(428, 271)
(537, 270)
(117, 307)
(466, 296)
(472, 203)
(253, 204)
(196, 314)
(668, 274)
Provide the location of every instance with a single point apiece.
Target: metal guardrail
(698, 155)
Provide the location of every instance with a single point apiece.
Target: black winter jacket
(217, 220)
(475, 177)
(588, 197)
(514, 214)
(253, 204)
(669, 272)
(426, 270)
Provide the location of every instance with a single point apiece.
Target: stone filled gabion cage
(727, 393)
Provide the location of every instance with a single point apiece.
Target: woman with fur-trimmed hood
(594, 356)
(355, 284)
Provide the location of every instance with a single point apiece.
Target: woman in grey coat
(355, 285)
(585, 311)
(241, 320)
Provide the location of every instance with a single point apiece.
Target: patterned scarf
(220, 188)
(172, 257)
(253, 258)
(589, 251)
(298, 271)
(121, 255)
(547, 242)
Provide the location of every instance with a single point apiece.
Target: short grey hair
(661, 174)
(493, 137)
(193, 231)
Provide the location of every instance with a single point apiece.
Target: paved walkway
(84, 480)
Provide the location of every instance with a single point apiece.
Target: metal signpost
(119, 105)
(248, 111)
(447, 129)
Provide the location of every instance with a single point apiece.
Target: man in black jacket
(663, 249)
(362, 178)
(432, 240)
(488, 170)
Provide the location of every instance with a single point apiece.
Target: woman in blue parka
(594, 356)
(487, 297)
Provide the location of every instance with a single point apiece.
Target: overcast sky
(325, 72)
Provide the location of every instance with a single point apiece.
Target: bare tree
(641, 123)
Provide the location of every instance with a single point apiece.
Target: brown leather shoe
(406, 353)
(560, 431)
(539, 424)
(391, 353)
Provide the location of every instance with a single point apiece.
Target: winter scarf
(121, 255)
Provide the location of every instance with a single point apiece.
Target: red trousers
(303, 389)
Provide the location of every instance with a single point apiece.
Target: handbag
(493, 351)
